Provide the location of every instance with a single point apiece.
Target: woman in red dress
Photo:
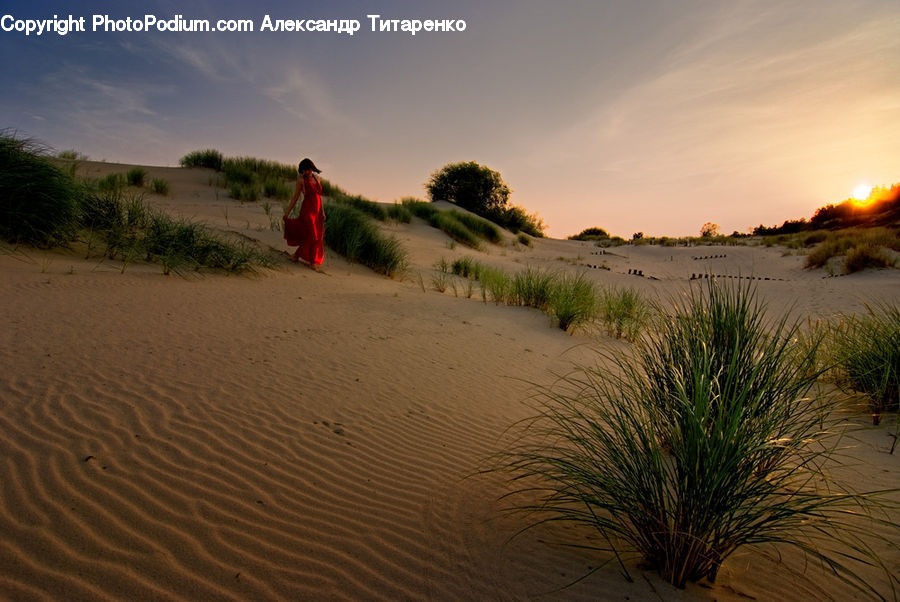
(310, 234)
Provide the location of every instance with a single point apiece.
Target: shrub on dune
(862, 249)
(209, 158)
(160, 186)
(532, 287)
(867, 354)
(419, 208)
(495, 285)
(454, 228)
(706, 440)
(479, 226)
(370, 208)
(467, 268)
(352, 234)
(399, 213)
(131, 230)
(623, 312)
(867, 255)
(574, 301)
(38, 202)
(136, 176)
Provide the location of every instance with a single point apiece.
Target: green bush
(481, 227)
(352, 234)
(419, 208)
(470, 185)
(399, 213)
(867, 354)
(113, 182)
(459, 226)
(467, 268)
(593, 233)
(623, 312)
(453, 228)
(728, 452)
(574, 301)
(368, 207)
(71, 155)
(532, 287)
(135, 176)
(38, 202)
(861, 249)
(515, 219)
(131, 230)
(244, 192)
(275, 188)
(495, 285)
(209, 157)
(260, 170)
(865, 256)
(238, 173)
(159, 186)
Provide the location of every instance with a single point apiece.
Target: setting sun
(861, 192)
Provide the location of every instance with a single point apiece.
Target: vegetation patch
(38, 201)
(122, 227)
(351, 233)
(709, 438)
(136, 176)
(866, 352)
(209, 158)
(45, 206)
(246, 178)
(860, 248)
(482, 191)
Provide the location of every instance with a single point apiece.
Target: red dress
(310, 233)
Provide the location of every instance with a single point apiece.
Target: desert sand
(295, 435)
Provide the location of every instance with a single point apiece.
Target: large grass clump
(370, 208)
(247, 178)
(38, 201)
(461, 227)
(209, 158)
(859, 248)
(623, 312)
(481, 227)
(866, 351)
(351, 233)
(122, 227)
(571, 300)
(709, 438)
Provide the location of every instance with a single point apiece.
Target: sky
(651, 116)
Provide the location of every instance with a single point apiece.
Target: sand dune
(306, 436)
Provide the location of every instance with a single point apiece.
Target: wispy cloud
(301, 93)
(738, 93)
(306, 97)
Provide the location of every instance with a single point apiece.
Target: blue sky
(641, 115)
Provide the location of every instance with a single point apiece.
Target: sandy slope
(309, 436)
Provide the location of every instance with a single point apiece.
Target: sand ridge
(291, 436)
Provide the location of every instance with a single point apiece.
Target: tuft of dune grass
(350, 232)
(463, 228)
(708, 439)
(861, 248)
(38, 201)
(122, 227)
(866, 354)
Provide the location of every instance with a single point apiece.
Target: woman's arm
(298, 188)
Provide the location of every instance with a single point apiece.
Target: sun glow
(862, 192)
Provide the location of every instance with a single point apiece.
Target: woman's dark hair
(308, 164)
